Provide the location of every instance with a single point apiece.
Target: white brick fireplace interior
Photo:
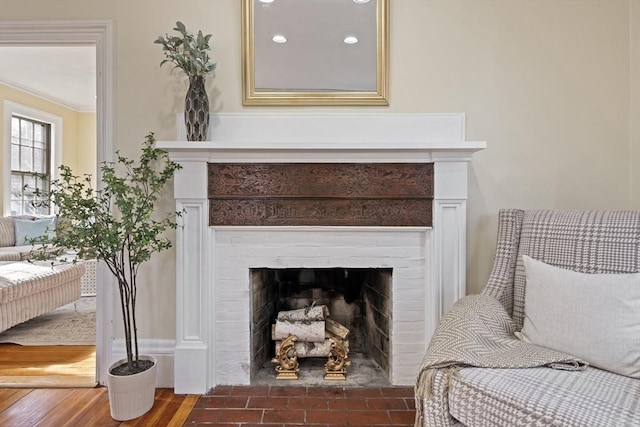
(213, 300)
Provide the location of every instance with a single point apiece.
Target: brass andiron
(287, 359)
(338, 360)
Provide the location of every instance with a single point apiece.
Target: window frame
(11, 109)
(45, 168)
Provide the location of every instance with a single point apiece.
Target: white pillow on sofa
(33, 228)
(7, 233)
(595, 317)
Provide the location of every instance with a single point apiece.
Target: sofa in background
(15, 232)
(28, 289)
(565, 289)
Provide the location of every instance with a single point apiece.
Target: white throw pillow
(7, 233)
(36, 228)
(595, 317)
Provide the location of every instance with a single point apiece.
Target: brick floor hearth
(287, 406)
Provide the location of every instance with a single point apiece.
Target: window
(30, 160)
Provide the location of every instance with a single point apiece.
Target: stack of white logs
(312, 327)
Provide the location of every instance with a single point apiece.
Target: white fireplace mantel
(199, 363)
(311, 137)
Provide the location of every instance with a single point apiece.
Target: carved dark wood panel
(273, 211)
(393, 180)
(374, 194)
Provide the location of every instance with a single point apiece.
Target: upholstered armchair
(564, 293)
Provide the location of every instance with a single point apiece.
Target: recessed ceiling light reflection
(271, 1)
(279, 38)
(355, 1)
(351, 40)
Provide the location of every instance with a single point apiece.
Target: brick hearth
(237, 406)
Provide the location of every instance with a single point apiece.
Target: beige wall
(547, 83)
(634, 104)
(79, 131)
(85, 148)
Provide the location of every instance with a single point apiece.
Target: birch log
(307, 331)
(312, 349)
(337, 328)
(316, 313)
(332, 329)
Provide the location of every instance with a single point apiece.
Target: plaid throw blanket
(477, 331)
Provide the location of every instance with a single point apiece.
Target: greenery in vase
(188, 52)
(117, 224)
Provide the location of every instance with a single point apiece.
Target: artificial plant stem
(113, 267)
(125, 299)
(127, 336)
(134, 291)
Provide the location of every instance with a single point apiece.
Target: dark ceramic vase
(196, 110)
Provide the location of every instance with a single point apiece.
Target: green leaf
(186, 51)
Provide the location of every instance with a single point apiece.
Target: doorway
(100, 35)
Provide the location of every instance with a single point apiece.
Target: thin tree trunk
(134, 291)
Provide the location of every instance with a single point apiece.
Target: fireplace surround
(214, 263)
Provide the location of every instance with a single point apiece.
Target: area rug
(71, 324)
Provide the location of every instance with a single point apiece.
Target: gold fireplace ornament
(287, 360)
(338, 360)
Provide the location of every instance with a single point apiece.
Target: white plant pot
(133, 395)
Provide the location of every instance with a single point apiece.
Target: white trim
(162, 350)
(100, 34)
(449, 223)
(331, 129)
(191, 296)
(56, 144)
(315, 137)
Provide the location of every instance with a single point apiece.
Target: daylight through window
(30, 154)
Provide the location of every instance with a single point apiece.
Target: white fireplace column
(306, 138)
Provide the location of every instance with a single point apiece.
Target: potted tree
(119, 225)
(190, 53)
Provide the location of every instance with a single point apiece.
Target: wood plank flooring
(59, 372)
(47, 366)
(223, 406)
(68, 407)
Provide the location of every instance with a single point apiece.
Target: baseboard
(162, 350)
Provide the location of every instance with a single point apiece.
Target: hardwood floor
(69, 407)
(58, 372)
(47, 366)
(224, 406)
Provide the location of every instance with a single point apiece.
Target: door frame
(100, 35)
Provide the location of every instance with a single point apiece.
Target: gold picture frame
(258, 65)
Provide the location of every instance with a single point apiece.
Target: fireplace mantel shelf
(352, 151)
(315, 137)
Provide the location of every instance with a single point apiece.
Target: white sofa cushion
(7, 233)
(595, 317)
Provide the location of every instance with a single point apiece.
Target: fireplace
(423, 257)
(359, 299)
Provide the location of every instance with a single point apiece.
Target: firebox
(357, 298)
